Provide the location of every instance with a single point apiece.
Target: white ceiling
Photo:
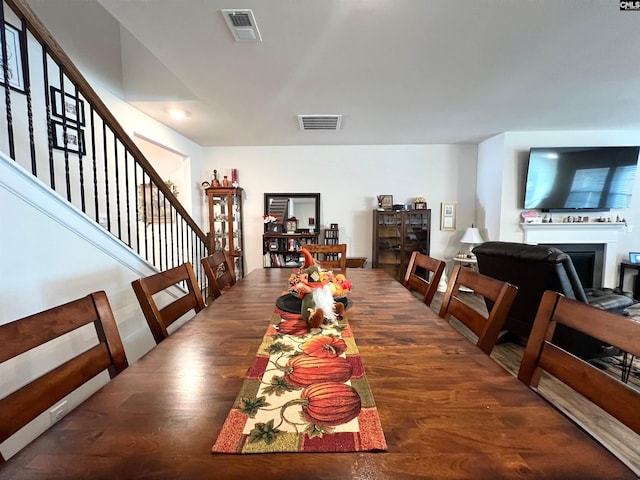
(399, 71)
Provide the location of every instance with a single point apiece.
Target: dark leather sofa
(534, 269)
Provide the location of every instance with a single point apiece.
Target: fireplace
(604, 234)
(588, 260)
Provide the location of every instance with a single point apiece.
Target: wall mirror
(304, 207)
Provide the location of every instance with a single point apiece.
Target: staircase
(55, 126)
(279, 207)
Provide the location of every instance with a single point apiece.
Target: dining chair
(219, 273)
(604, 390)
(29, 333)
(159, 319)
(432, 267)
(330, 257)
(498, 297)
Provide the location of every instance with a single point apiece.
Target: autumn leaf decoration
(251, 407)
(264, 432)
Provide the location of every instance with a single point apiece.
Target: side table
(470, 262)
(632, 313)
(624, 265)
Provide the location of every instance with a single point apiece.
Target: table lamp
(472, 237)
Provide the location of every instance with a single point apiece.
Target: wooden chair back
(499, 294)
(159, 319)
(20, 336)
(219, 273)
(604, 390)
(330, 257)
(426, 286)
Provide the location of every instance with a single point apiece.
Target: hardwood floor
(620, 440)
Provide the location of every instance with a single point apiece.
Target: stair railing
(56, 126)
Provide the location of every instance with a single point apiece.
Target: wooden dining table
(446, 408)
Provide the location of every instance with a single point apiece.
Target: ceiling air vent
(242, 25)
(319, 122)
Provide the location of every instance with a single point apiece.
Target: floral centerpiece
(318, 289)
(338, 284)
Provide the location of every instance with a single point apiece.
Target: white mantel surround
(589, 232)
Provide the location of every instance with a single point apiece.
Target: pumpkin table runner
(306, 391)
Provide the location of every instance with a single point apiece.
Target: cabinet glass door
(416, 233)
(236, 211)
(389, 242)
(237, 233)
(220, 222)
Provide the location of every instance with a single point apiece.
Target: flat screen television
(580, 178)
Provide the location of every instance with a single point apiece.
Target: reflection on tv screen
(581, 178)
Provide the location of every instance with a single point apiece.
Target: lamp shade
(472, 235)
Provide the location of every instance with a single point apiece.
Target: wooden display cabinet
(396, 235)
(225, 225)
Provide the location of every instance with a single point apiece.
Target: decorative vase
(214, 181)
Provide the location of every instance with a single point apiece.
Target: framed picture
(634, 257)
(15, 66)
(448, 216)
(71, 109)
(333, 226)
(273, 227)
(151, 205)
(68, 138)
(385, 202)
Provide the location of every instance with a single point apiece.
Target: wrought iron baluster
(105, 157)
(94, 163)
(166, 241)
(82, 147)
(152, 202)
(127, 193)
(45, 68)
(173, 243)
(137, 197)
(117, 172)
(144, 217)
(64, 133)
(182, 242)
(27, 84)
(7, 85)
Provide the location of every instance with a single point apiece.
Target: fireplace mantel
(579, 232)
(582, 226)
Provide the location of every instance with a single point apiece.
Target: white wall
(94, 41)
(489, 187)
(348, 179)
(504, 158)
(139, 124)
